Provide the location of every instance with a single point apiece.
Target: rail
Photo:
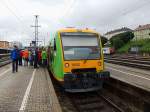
(138, 62)
(4, 59)
(128, 97)
(111, 103)
(84, 102)
(92, 101)
(7, 54)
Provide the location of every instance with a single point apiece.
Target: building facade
(110, 34)
(18, 44)
(142, 32)
(4, 44)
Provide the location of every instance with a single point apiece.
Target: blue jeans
(15, 65)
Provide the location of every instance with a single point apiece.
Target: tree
(104, 40)
(117, 43)
(121, 39)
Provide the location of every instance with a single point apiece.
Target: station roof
(124, 29)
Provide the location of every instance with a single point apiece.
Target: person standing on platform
(20, 57)
(23, 56)
(48, 56)
(14, 57)
(36, 58)
(26, 56)
(31, 58)
(44, 57)
(39, 57)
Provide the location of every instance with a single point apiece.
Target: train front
(83, 61)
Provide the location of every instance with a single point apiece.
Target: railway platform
(137, 77)
(28, 90)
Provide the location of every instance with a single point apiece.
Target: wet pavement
(27, 90)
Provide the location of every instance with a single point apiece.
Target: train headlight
(66, 65)
(99, 63)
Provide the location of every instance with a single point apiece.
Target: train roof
(77, 30)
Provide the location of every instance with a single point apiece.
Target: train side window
(54, 44)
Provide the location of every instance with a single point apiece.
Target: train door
(53, 53)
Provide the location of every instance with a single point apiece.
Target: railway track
(129, 56)
(93, 102)
(133, 56)
(84, 102)
(128, 97)
(138, 62)
(4, 59)
(116, 96)
(111, 103)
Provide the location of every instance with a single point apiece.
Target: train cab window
(80, 46)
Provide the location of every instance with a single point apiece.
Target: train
(4, 51)
(108, 50)
(76, 60)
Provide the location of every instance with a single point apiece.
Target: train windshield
(80, 46)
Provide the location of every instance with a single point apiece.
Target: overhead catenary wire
(15, 7)
(71, 6)
(18, 18)
(146, 2)
(11, 11)
(131, 10)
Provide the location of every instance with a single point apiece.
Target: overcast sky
(16, 16)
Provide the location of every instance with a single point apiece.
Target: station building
(17, 43)
(142, 32)
(4, 44)
(112, 33)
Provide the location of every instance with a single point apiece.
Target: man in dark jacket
(14, 57)
(20, 57)
(36, 58)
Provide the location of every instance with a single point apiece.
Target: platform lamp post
(36, 26)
